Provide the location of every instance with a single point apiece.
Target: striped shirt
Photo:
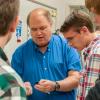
(11, 85)
(91, 67)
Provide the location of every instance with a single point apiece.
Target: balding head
(39, 12)
(40, 24)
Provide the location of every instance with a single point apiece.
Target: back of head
(93, 4)
(77, 20)
(40, 11)
(9, 9)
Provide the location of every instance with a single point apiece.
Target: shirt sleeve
(14, 92)
(94, 61)
(11, 86)
(73, 59)
(16, 61)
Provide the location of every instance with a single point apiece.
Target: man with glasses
(46, 61)
(78, 30)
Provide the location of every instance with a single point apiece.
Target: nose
(39, 32)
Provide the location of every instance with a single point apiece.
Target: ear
(14, 24)
(84, 30)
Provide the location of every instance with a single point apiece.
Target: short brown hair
(44, 12)
(93, 3)
(9, 9)
(77, 20)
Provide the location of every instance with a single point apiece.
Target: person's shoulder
(96, 46)
(62, 43)
(27, 43)
(9, 79)
(23, 47)
(59, 38)
(10, 74)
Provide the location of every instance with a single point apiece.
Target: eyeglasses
(69, 39)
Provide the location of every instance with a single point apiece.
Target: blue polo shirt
(33, 65)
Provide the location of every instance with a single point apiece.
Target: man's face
(40, 29)
(75, 39)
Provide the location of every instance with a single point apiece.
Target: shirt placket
(44, 66)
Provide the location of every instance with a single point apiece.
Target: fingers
(28, 88)
(44, 83)
(41, 88)
(45, 86)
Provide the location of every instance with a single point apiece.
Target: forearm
(71, 82)
(64, 85)
(68, 84)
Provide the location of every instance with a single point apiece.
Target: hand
(28, 88)
(45, 86)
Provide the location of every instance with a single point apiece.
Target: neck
(90, 37)
(3, 41)
(43, 49)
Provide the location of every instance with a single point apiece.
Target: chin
(43, 44)
(78, 49)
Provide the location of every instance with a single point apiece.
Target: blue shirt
(33, 65)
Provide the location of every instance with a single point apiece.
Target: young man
(94, 7)
(11, 85)
(46, 61)
(78, 30)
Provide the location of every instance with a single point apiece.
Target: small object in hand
(36, 82)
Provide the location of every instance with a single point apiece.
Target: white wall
(73, 3)
(61, 7)
(76, 2)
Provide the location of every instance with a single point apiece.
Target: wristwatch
(57, 86)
